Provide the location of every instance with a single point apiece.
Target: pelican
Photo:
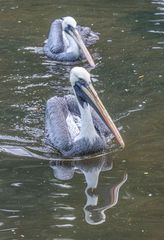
(65, 44)
(79, 124)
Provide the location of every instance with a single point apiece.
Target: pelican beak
(92, 98)
(75, 34)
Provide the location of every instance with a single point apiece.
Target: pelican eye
(69, 29)
(82, 82)
(81, 96)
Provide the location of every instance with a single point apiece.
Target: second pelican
(80, 124)
(65, 44)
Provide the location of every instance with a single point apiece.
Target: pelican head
(69, 25)
(86, 94)
(69, 21)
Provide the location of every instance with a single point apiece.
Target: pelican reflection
(98, 199)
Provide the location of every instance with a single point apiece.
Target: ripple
(15, 216)
(19, 151)
(158, 2)
(15, 139)
(131, 111)
(18, 184)
(9, 210)
(38, 50)
(8, 229)
(66, 186)
(64, 225)
(156, 31)
(32, 86)
(58, 195)
(66, 208)
(156, 48)
(65, 217)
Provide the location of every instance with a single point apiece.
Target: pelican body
(65, 44)
(79, 124)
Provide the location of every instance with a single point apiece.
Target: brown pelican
(65, 44)
(80, 124)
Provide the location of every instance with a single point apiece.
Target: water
(42, 198)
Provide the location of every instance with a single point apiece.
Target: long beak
(75, 34)
(95, 102)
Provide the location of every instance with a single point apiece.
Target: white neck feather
(87, 127)
(71, 45)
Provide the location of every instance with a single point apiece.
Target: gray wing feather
(72, 105)
(89, 37)
(56, 130)
(54, 44)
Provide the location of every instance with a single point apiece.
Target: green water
(41, 198)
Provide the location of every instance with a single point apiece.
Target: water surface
(118, 195)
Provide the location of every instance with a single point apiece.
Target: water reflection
(97, 202)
